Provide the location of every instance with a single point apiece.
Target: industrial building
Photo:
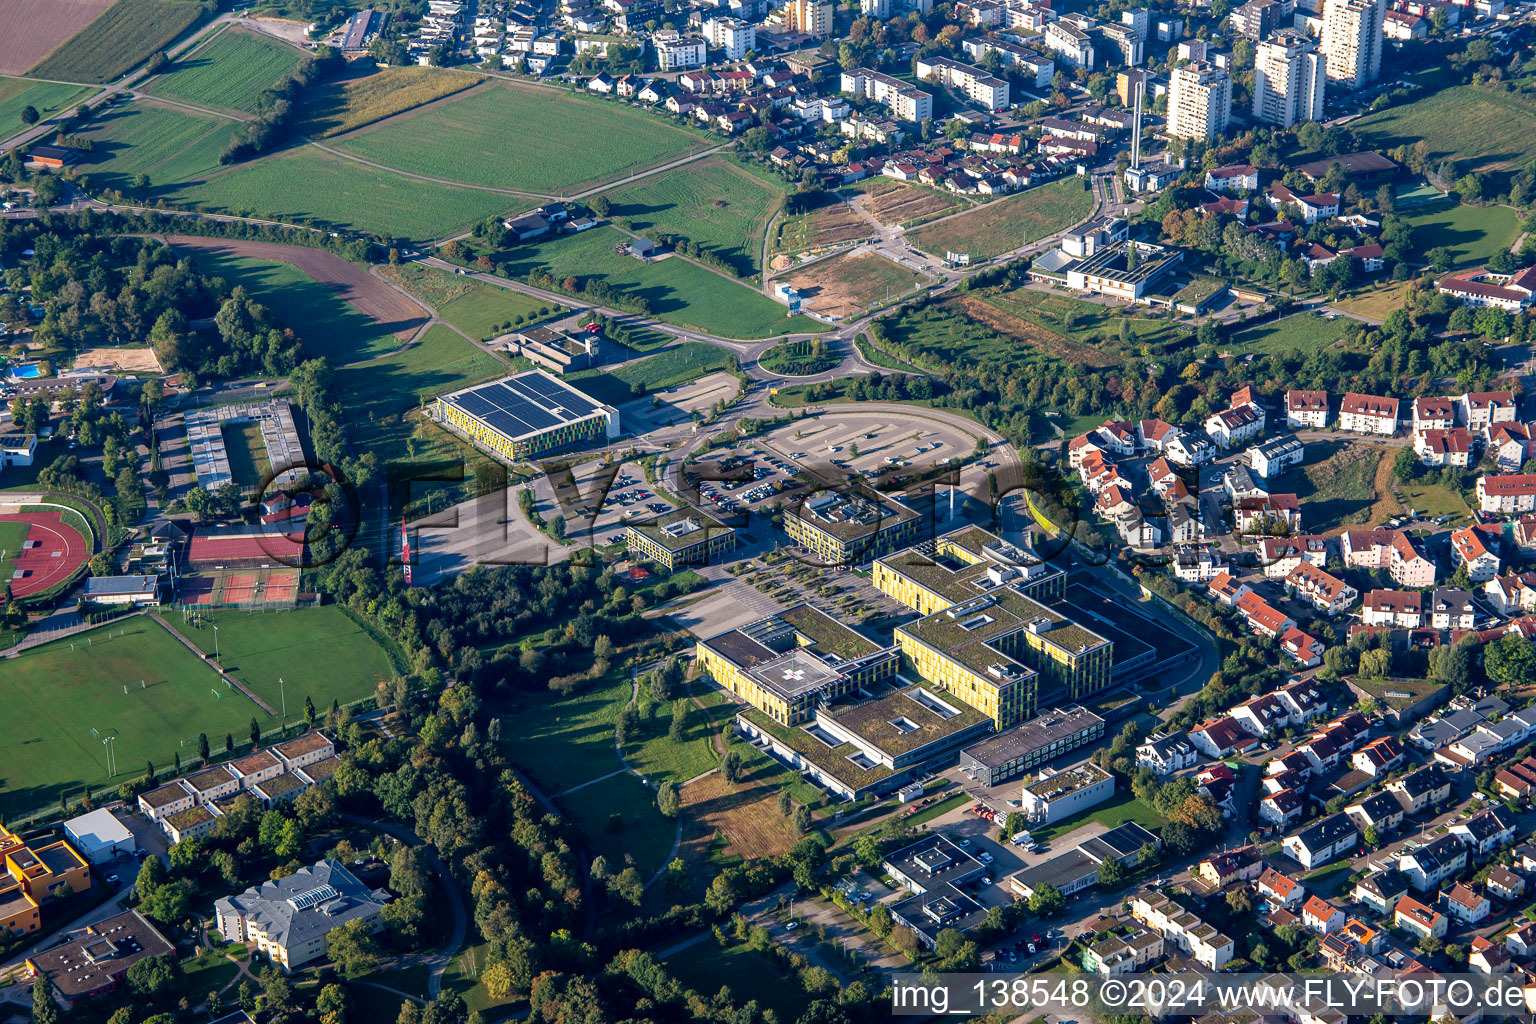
(527, 414)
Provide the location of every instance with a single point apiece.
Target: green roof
(827, 633)
(832, 760)
(931, 572)
(872, 719)
(879, 514)
(654, 528)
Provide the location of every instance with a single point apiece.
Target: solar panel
(507, 423)
(311, 897)
(474, 404)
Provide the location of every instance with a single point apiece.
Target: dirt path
(375, 298)
(237, 684)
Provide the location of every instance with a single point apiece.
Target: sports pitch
(56, 694)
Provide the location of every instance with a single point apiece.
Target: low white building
(1055, 795)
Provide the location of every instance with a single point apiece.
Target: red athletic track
(44, 569)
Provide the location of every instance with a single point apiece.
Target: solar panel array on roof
(524, 404)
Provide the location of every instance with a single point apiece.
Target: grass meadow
(119, 40)
(679, 292)
(640, 835)
(1300, 331)
(1472, 233)
(48, 98)
(319, 653)
(308, 184)
(1007, 224)
(55, 696)
(687, 362)
(1480, 129)
(486, 137)
(478, 309)
(144, 137)
(713, 202)
(378, 395)
(228, 71)
(328, 326)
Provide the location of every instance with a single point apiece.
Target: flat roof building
(851, 527)
(96, 964)
(1031, 744)
(679, 538)
(527, 414)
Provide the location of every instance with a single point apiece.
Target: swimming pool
(25, 371)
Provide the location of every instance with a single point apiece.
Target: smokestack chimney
(1138, 87)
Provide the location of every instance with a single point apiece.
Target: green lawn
(1431, 499)
(229, 71)
(1303, 331)
(55, 696)
(121, 37)
(329, 326)
(640, 835)
(1478, 128)
(705, 966)
(167, 144)
(47, 98)
(310, 185)
(378, 394)
(1084, 323)
(563, 742)
(247, 453)
(1472, 233)
(678, 291)
(490, 131)
(1336, 485)
(1324, 880)
(319, 653)
(714, 202)
(998, 227)
(1119, 809)
(653, 753)
(474, 307)
(463, 977)
(11, 536)
(687, 362)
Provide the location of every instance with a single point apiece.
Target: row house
(1326, 592)
(1280, 555)
(1182, 929)
(1451, 447)
(1379, 756)
(1392, 550)
(1306, 409)
(1469, 547)
(1263, 618)
(1506, 494)
(1368, 414)
(1227, 589)
(1272, 511)
(1394, 609)
(1517, 781)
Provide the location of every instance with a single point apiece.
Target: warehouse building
(526, 415)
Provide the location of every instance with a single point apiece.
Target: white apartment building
(1199, 101)
(813, 17)
(1071, 42)
(1011, 55)
(1368, 414)
(906, 102)
(1352, 35)
(1289, 79)
(732, 36)
(676, 52)
(1507, 493)
(977, 83)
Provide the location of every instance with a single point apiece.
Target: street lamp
(283, 693)
(215, 641)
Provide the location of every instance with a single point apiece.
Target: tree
(353, 948)
(29, 115)
(1047, 900)
(334, 1004)
(730, 767)
(667, 800)
(255, 732)
(1510, 661)
(1372, 836)
(1406, 466)
(202, 746)
(802, 818)
(678, 729)
(1111, 873)
(153, 976)
(44, 1009)
(786, 805)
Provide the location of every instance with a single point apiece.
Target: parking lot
(597, 500)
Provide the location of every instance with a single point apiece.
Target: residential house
(1466, 905)
(1233, 178)
(1427, 866)
(1221, 737)
(1302, 648)
(1451, 447)
(1283, 807)
(1243, 420)
(1262, 617)
(1227, 589)
(1387, 549)
(1313, 208)
(1271, 458)
(1395, 609)
(1479, 410)
(1510, 444)
(1321, 842)
(1166, 753)
(1379, 811)
(1418, 920)
(1507, 493)
(1324, 591)
(1485, 832)
(1505, 884)
(1468, 547)
(1280, 555)
(1487, 957)
(1320, 916)
(1268, 512)
(1192, 564)
(1451, 608)
(1280, 889)
(1368, 414)
(1306, 409)
(1380, 890)
(1512, 595)
(1431, 413)
(1379, 757)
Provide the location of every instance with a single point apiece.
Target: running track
(45, 568)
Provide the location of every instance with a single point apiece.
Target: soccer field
(319, 653)
(55, 695)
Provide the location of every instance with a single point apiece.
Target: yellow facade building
(35, 873)
(851, 527)
(790, 663)
(680, 538)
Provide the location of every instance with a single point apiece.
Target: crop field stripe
(166, 143)
(120, 39)
(228, 70)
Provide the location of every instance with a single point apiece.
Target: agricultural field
(1480, 129)
(122, 38)
(1473, 233)
(319, 653)
(480, 310)
(329, 325)
(377, 395)
(32, 29)
(56, 695)
(47, 98)
(746, 813)
(1007, 224)
(687, 362)
(228, 71)
(346, 105)
(714, 202)
(678, 291)
(1337, 485)
(894, 202)
(583, 141)
(167, 144)
(847, 284)
(314, 186)
(1305, 332)
(832, 224)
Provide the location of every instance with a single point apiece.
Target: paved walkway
(231, 680)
